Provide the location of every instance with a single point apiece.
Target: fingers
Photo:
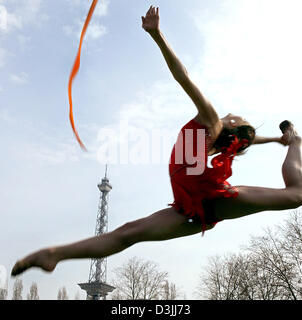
(152, 11)
(151, 19)
(149, 11)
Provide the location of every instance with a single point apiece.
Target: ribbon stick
(75, 70)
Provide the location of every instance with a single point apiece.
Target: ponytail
(241, 132)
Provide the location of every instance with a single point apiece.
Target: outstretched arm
(262, 140)
(207, 113)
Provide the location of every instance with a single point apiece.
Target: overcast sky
(245, 55)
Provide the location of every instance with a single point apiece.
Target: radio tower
(96, 287)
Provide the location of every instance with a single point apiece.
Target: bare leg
(255, 199)
(168, 224)
(163, 225)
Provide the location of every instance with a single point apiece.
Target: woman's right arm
(207, 114)
(262, 140)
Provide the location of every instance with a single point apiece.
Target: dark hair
(226, 137)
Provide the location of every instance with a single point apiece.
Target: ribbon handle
(75, 70)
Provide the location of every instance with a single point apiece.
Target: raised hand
(151, 20)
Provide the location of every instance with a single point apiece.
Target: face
(231, 121)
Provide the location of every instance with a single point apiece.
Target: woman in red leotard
(202, 196)
(194, 183)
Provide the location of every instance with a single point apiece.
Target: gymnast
(200, 200)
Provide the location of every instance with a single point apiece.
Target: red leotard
(190, 190)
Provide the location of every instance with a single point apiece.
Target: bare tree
(3, 294)
(17, 290)
(275, 263)
(62, 294)
(261, 274)
(139, 280)
(59, 296)
(224, 278)
(292, 248)
(170, 292)
(237, 277)
(268, 268)
(33, 292)
(3, 283)
(261, 282)
(77, 296)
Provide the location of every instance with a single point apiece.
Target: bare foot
(289, 133)
(44, 259)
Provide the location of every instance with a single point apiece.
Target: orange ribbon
(75, 70)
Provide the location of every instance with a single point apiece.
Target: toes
(18, 268)
(15, 270)
(285, 125)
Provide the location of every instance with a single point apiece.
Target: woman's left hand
(151, 20)
(282, 141)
